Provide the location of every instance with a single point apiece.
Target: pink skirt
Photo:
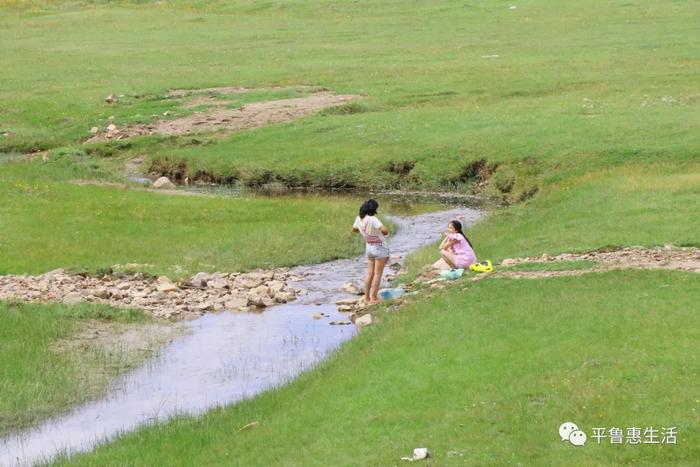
(463, 262)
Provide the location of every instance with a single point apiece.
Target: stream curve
(226, 357)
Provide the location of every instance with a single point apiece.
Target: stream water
(226, 357)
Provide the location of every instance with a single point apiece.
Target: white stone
(72, 298)
(236, 304)
(200, 279)
(420, 453)
(351, 288)
(217, 284)
(163, 183)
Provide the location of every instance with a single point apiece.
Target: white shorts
(376, 251)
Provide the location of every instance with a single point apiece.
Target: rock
(217, 283)
(364, 320)
(509, 262)
(441, 265)
(200, 279)
(53, 274)
(72, 298)
(163, 183)
(111, 127)
(94, 130)
(276, 286)
(302, 292)
(111, 99)
(250, 283)
(101, 293)
(165, 285)
(260, 276)
(236, 303)
(317, 316)
(351, 288)
(281, 297)
(204, 306)
(261, 290)
(345, 308)
(347, 301)
(420, 453)
(256, 300)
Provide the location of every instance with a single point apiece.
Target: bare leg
(449, 258)
(379, 264)
(368, 279)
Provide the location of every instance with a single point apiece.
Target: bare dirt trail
(668, 257)
(218, 118)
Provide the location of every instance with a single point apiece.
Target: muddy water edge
(226, 357)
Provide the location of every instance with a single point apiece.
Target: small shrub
(504, 179)
(401, 168)
(345, 109)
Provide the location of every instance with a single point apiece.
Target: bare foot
(374, 301)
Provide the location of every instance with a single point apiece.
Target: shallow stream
(227, 357)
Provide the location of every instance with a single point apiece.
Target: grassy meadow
(482, 375)
(581, 117)
(91, 228)
(544, 89)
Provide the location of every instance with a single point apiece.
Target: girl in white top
(374, 232)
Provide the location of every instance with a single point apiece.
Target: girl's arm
(447, 243)
(384, 230)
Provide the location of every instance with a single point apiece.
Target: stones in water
(352, 289)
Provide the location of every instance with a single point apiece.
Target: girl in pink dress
(456, 249)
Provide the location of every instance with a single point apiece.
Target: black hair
(368, 208)
(458, 227)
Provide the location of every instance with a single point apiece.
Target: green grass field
(482, 375)
(580, 116)
(93, 227)
(566, 89)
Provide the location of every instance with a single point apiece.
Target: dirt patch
(667, 257)
(219, 90)
(254, 115)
